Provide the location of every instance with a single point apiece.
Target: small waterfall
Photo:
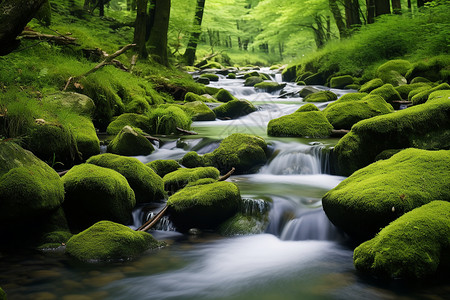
(254, 207)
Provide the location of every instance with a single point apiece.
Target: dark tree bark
(382, 7)
(319, 32)
(140, 28)
(370, 11)
(396, 7)
(14, 15)
(150, 19)
(189, 54)
(101, 7)
(334, 8)
(352, 13)
(421, 3)
(158, 35)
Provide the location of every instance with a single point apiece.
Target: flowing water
(300, 255)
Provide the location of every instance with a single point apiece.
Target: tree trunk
(319, 32)
(382, 7)
(14, 15)
(101, 8)
(189, 54)
(352, 13)
(87, 4)
(150, 19)
(158, 36)
(140, 28)
(370, 11)
(421, 3)
(338, 18)
(396, 7)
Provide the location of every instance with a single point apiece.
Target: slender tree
(396, 7)
(158, 36)
(189, 54)
(370, 4)
(140, 28)
(334, 8)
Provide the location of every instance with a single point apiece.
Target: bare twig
(226, 176)
(186, 131)
(150, 223)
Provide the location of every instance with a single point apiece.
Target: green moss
(231, 76)
(137, 106)
(371, 85)
(106, 241)
(191, 97)
(269, 86)
(95, 193)
(199, 111)
(375, 195)
(146, 184)
(417, 91)
(241, 224)
(322, 96)
(307, 107)
(340, 82)
(441, 94)
(193, 160)
(163, 166)
(178, 179)
(405, 89)
(85, 136)
(75, 102)
(422, 126)
(234, 109)
(312, 124)
(212, 65)
(54, 239)
(201, 182)
(130, 143)
(387, 154)
(387, 92)
(29, 188)
(253, 80)
(166, 119)
(344, 115)
(211, 77)
(224, 96)
(420, 80)
(353, 86)
(393, 71)
(430, 68)
(133, 120)
(422, 97)
(413, 246)
(204, 206)
(348, 97)
(307, 90)
(251, 74)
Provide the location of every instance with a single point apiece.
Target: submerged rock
(413, 246)
(301, 124)
(130, 143)
(234, 109)
(374, 196)
(178, 179)
(109, 241)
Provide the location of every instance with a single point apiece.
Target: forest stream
(300, 255)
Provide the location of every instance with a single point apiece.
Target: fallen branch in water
(150, 223)
(226, 176)
(339, 132)
(151, 138)
(186, 131)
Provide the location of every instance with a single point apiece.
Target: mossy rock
(166, 119)
(420, 80)
(210, 76)
(211, 65)
(304, 75)
(95, 193)
(191, 97)
(340, 82)
(348, 98)
(393, 71)
(269, 86)
(422, 97)
(387, 92)
(136, 121)
(322, 96)
(405, 89)
(54, 239)
(311, 124)
(204, 206)
(413, 246)
(139, 105)
(130, 143)
(316, 79)
(29, 188)
(371, 85)
(85, 136)
(417, 91)
(344, 115)
(430, 69)
(204, 80)
(251, 74)
(307, 90)
(193, 160)
(253, 80)
(163, 166)
(75, 102)
(224, 96)
(231, 76)
(387, 154)
(178, 179)
(423, 126)
(307, 107)
(234, 109)
(441, 94)
(199, 111)
(53, 232)
(374, 196)
(146, 184)
(109, 241)
(241, 224)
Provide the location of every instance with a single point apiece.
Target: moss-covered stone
(413, 246)
(375, 195)
(322, 96)
(371, 85)
(163, 166)
(85, 136)
(347, 98)
(344, 115)
(339, 82)
(210, 76)
(387, 154)
(420, 80)
(307, 90)
(191, 97)
(269, 86)
(422, 126)
(307, 107)
(353, 86)
(134, 120)
(166, 119)
(405, 89)
(224, 96)
(418, 90)
(75, 102)
(193, 160)
(130, 143)
(231, 76)
(178, 179)
(316, 79)
(109, 241)
(29, 188)
(441, 94)
(251, 74)
(199, 111)
(139, 105)
(430, 68)
(234, 109)
(251, 81)
(211, 65)
(387, 92)
(312, 124)
(422, 97)
(54, 239)
(146, 184)
(393, 71)
(204, 206)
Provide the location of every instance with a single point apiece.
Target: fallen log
(226, 176)
(57, 39)
(186, 131)
(150, 223)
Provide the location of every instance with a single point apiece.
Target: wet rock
(312, 124)
(224, 96)
(269, 86)
(340, 82)
(199, 111)
(178, 179)
(322, 96)
(234, 109)
(130, 143)
(251, 81)
(163, 166)
(138, 122)
(371, 85)
(75, 102)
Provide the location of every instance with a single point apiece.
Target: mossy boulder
(210, 76)
(423, 126)
(234, 109)
(316, 79)
(193, 160)
(178, 179)
(130, 143)
(344, 115)
(420, 80)
(199, 111)
(307, 90)
(441, 94)
(422, 97)
(251, 81)
(269, 86)
(146, 184)
(85, 136)
(322, 96)
(340, 82)
(393, 71)
(405, 89)
(75, 102)
(311, 124)
(191, 97)
(374, 196)
(251, 74)
(387, 92)
(224, 96)
(109, 241)
(348, 98)
(204, 206)
(414, 246)
(307, 107)
(134, 120)
(211, 65)
(430, 68)
(163, 166)
(95, 193)
(166, 118)
(29, 188)
(417, 91)
(371, 85)
(231, 76)
(139, 105)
